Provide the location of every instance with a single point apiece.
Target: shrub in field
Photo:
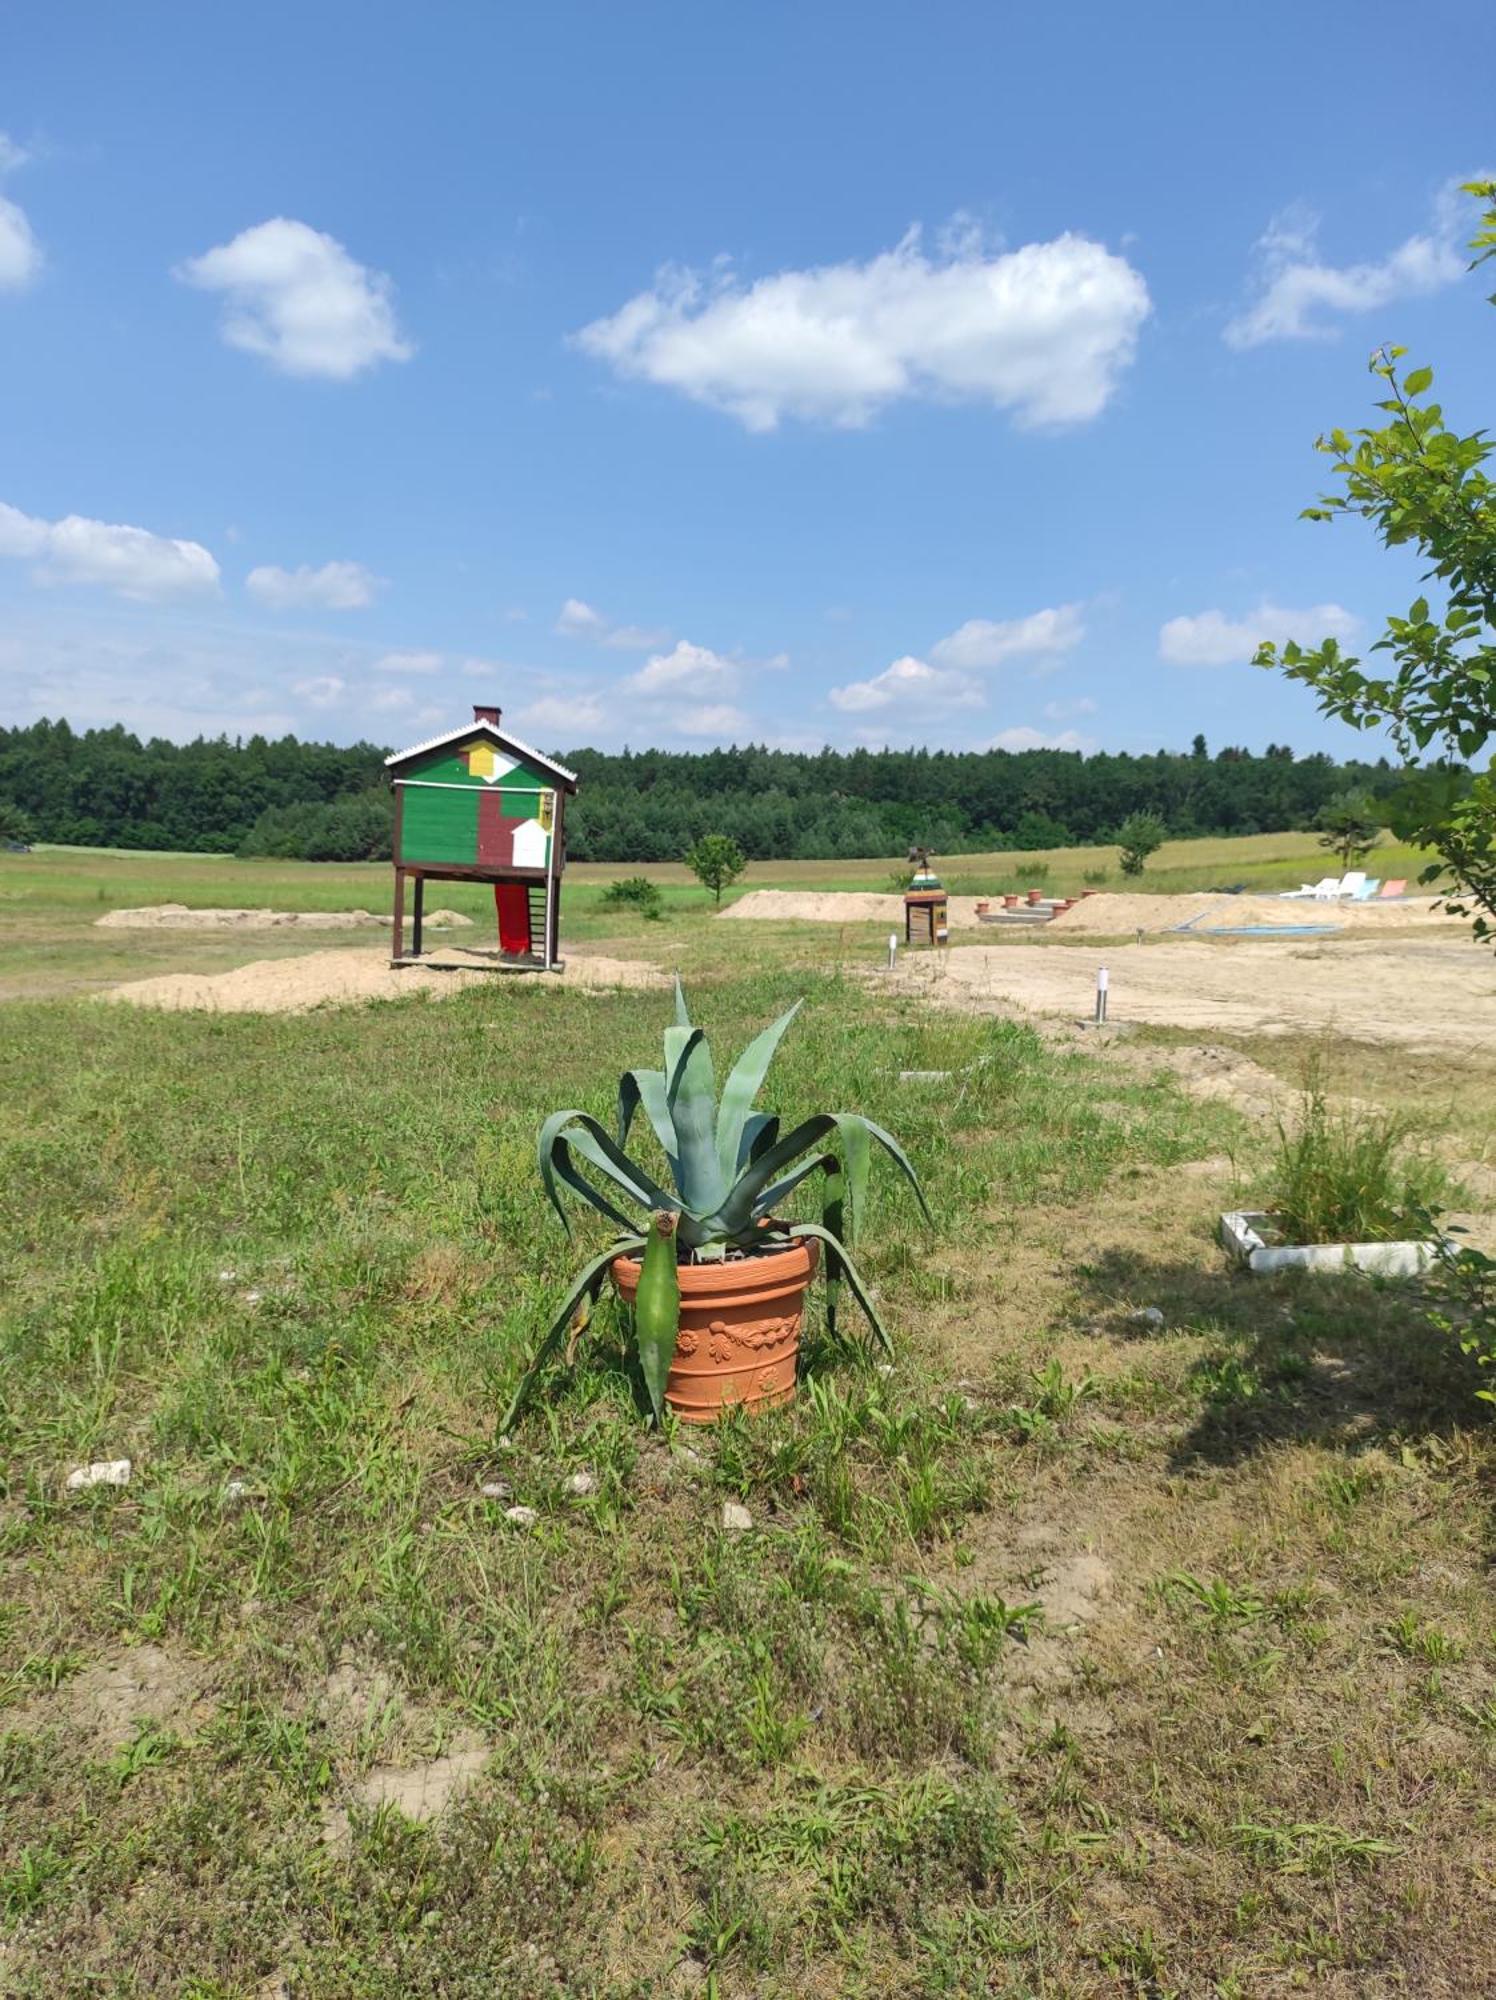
(1462, 1299)
(1094, 877)
(1140, 835)
(1033, 871)
(716, 861)
(1349, 1176)
(635, 892)
(731, 1170)
(1349, 827)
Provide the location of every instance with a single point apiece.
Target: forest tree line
(328, 802)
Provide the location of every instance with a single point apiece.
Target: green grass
(1351, 1175)
(1075, 1655)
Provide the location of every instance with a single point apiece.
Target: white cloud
(714, 719)
(408, 663)
(562, 716)
(294, 296)
(981, 642)
(321, 691)
(1044, 331)
(1025, 738)
(1297, 293)
(637, 638)
(578, 620)
(909, 681)
(688, 669)
(20, 253)
(336, 586)
(1061, 711)
(130, 561)
(1211, 639)
(390, 701)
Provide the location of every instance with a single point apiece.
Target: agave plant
(731, 1169)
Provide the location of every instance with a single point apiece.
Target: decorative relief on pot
(753, 1334)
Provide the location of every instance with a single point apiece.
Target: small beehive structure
(478, 805)
(926, 909)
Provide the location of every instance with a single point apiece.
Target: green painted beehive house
(478, 805)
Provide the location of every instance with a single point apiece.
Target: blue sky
(679, 374)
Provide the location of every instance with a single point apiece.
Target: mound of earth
(347, 978)
(179, 917)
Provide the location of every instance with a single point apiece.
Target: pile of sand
(1418, 993)
(178, 917)
(347, 978)
(1208, 913)
(838, 907)
(1093, 916)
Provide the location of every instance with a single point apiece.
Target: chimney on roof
(482, 713)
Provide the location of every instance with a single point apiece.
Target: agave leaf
(832, 1199)
(691, 1097)
(567, 1170)
(586, 1136)
(769, 1200)
(657, 1309)
(682, 1012)
(588, 1284)
(646, 1087)
(760, 1130)
(900, 1159)
(857, 1154)
(850, 1273)
(736, 1211)
(742, 1087)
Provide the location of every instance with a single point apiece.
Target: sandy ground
(179, 917)
(1421, 994)
(346, 978)
(1095, 916)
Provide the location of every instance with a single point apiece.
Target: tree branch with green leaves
(1423, 485)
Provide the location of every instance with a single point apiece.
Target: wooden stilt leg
(397, 928)
(417, 915)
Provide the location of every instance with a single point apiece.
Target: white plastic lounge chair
(1327, 890)
(1352, 884)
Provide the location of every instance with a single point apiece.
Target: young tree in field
(1348, 825)
(1421, 484)
(716, 861)
(1140, 835)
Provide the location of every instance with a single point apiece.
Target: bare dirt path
(1413, 993)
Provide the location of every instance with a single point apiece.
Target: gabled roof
(513, 744)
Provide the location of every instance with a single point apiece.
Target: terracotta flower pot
(739, 1330)
(1035, 895)
(983, 906)
(1010, 902)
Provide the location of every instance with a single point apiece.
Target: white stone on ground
(103, 1472)
(735, 1519)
